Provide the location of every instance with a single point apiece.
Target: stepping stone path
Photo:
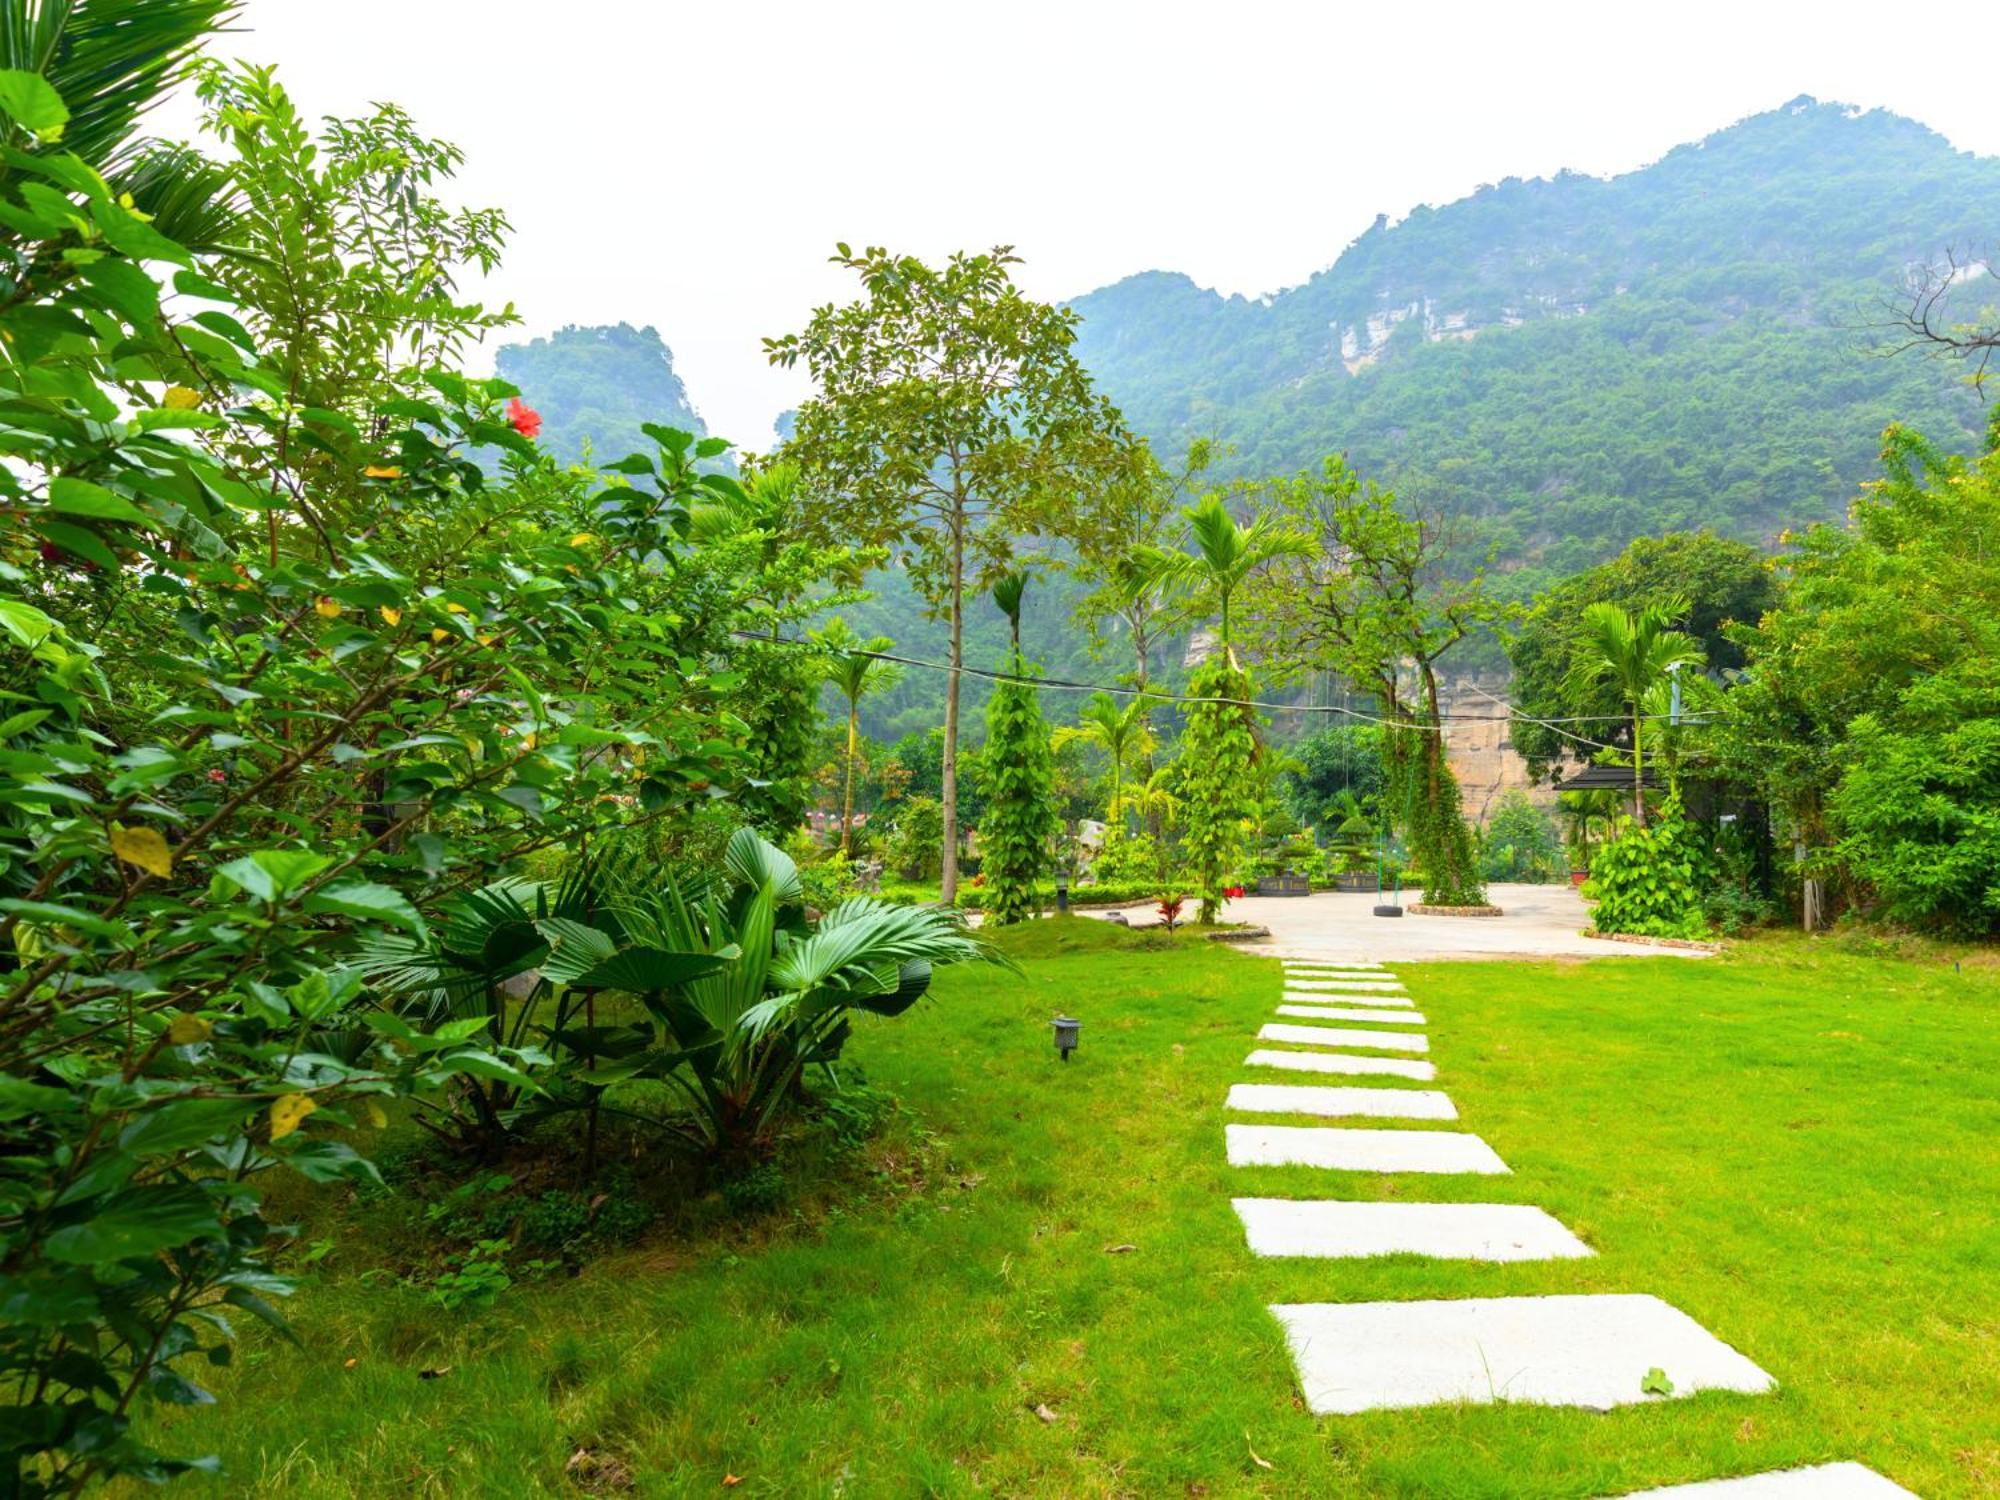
(1592, 1351)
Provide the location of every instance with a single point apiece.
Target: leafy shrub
(1519, 842)
(915, 845)
(1651, 881)
(756, 1191)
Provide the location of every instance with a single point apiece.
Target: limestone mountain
(1580, 360)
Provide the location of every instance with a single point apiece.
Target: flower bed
(1419, 909)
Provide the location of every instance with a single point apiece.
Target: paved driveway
(1540, 921)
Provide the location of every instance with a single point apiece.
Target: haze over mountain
(1585, 359)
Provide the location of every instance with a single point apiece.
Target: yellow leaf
(180, 398)
(454, 609)
(392, 616)
(143, 847)
(327, 608)
(582, 539)
(487, 640)
(439, 634)
(288, 1112)
(383, 471)
(377, 1116)
(187, 1030)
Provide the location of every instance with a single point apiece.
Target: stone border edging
(1240, 935)
(1454, 911)
(1641, 940)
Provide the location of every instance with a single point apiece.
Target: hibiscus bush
(284, 677)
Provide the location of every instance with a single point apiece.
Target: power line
(1062, 684)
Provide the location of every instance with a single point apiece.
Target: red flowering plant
(1170, 911)
(523, 418)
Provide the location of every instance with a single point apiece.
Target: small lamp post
(1062, 893)
(1066, 1030)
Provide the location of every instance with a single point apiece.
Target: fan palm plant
(1634, 650)
(736, 1039)
(1224, 554)
(854, 668)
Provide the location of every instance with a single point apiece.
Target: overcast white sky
(690, 165)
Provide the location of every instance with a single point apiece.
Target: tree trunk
(948, 867)
(1638, 772)
(847, 797)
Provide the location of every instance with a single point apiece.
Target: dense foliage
(1866, 710)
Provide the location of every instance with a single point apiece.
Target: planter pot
(1578, 877)
(1285, 884)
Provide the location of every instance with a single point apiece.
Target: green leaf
(26, 624)
(270, 873)
(137, 1223)
(367, 900)
(1656, 1383)
(33, 104)
(78, 542)
(18, 1097)
(642, 970)
(79, 497)
(183, 1123)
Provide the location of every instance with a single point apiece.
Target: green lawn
(1795, 1144)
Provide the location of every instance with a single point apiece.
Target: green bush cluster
(1653, 879)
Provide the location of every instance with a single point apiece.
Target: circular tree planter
(1693, 945)
(1456, 911)
(1239, 935)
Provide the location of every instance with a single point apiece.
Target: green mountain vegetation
(594, 385)
(1578, 361)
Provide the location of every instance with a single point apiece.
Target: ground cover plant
(992, 1294)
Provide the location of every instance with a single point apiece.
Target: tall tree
(1635, 651)
(854, 669)
(952, 420)
(1376, 597)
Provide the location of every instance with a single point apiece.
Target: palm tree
(855, 669)
(112, 61)
(1634, 651)
(1582, 811)
(1224, 554)
(1121, 733)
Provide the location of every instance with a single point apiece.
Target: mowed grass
(1794, 1144)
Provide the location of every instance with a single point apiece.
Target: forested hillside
(1582, 360)
(595, 386)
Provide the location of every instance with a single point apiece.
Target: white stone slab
(1449, 1231)
(1345, 984)
(1820, 1482)
(1311, 999)
(1341, 1062)
(1335, 1036)
(1308, 1099)
(1350, 1013)
(1339, 974)
(1330, 963)
(1550, 1351)
(1347, 1150)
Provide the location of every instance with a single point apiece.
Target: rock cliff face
(1481, 755)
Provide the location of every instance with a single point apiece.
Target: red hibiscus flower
(527, 421)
